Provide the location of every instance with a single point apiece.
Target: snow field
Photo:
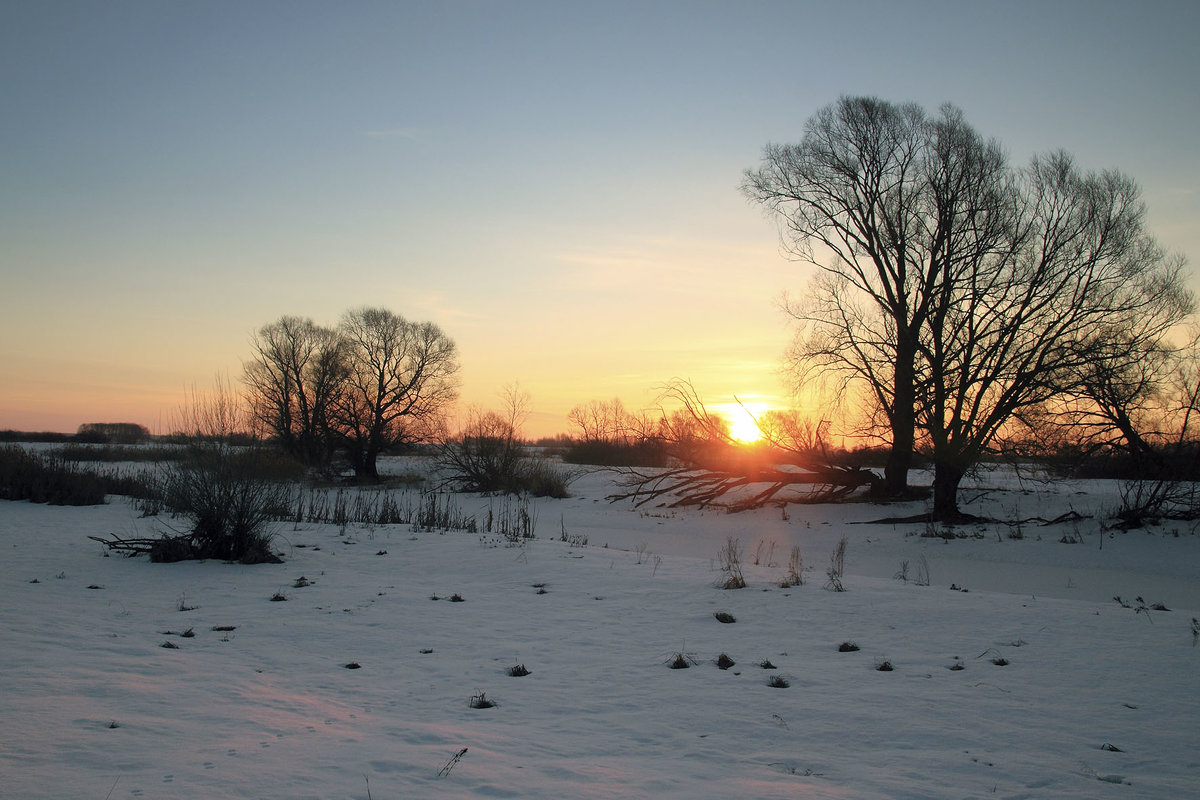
(94, 705)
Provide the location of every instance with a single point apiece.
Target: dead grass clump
(729, 557)
(724, 661)
(795, 570)
(517, 671)
(680, 660)
(481, 700)
(837, 567)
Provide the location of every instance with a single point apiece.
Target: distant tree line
(113, 433)
(88, 433)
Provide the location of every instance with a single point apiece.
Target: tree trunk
(899, 460)
(903, 419)
(946, 479)
(366, 467)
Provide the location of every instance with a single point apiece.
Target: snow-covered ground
(1062, 691)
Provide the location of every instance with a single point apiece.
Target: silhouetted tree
(297, 370)
(397, 376)
(1079, 291)
(886, 201)
(960, 292)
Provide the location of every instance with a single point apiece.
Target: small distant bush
(544, 478)
(647, 453)
(489, 456)
(778, 682)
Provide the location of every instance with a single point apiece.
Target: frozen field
(1031, 683)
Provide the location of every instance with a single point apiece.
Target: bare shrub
(489, 456)
(232, 497)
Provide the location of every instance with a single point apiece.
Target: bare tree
(964, 294)
(489, 454)
(604, 421)
(292, 378)
(1079, 290)
(1142, 410)
(398, 376)
(885, 201)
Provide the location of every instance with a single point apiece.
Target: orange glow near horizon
(743, 424)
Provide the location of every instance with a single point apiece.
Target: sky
(555, 184)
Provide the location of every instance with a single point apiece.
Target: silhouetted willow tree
(369, 384)
(1081, 290)
(398, 374)
(296, 371)
(888, 202)
(958, 290)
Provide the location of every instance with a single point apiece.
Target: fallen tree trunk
(692, 486)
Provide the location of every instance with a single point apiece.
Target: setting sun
(743, 425)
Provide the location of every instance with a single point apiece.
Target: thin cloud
(411, 134)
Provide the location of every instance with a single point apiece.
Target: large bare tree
(293, 376)
(398, 375)
(962, 293)
(1080, 290)
(885, 201)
